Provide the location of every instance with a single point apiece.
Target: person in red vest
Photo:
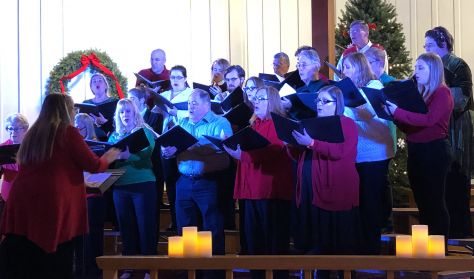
(359, 33)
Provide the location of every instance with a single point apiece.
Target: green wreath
(72, 62)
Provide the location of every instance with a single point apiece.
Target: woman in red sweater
(264, 183)
(328, 184)
(46, 208)
(428, 147)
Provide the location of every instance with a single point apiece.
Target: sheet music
(96, 179)
(286, 90)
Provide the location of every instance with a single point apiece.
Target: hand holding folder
(326, 129)
(107, 108)
(161, 101)
(177, 137)
(135, 142)
(152, 84)
(404, 94)
(247, 138)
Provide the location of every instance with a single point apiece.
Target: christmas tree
(381, 17)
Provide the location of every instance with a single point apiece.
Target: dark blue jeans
(196, 196)
(135, 205)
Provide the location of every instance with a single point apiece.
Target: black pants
(373, 186)
(171, 175)
(267, 230)
(23, 259)
(427, 167)
(458, 198)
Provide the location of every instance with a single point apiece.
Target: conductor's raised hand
(111, 155)
(302, 138)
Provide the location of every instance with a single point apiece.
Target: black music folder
(107, 108)
(136, 142)
(160, 101)
(239, 115)
(177, 137)
(352, 96)
(308, 99)
(203, 87)
(165, 83)
(233, 99)
(247, 138)
(294, 80)
(215, 106)
(275, 84)
(326, 129)
(404, 94)
(8, 153)
(268, 77)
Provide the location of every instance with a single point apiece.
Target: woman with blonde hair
(263, 183)
(135, 196)
(375, 148)
(46, 209)
(218, 84)
(428, 147)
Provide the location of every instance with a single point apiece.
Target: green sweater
(138, 166)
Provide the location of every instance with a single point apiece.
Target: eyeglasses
(12, 129)
(176, 77)
(303, 65)
(259, 99)
(324, 101)
(373, 61)
(250, 88)
(231, 80)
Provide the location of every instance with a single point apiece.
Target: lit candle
(419, 240)
(205, 244)
(190, 242)
(436, 248)
(175, 246)
(403, 246)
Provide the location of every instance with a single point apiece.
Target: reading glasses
(250, 88)
(14, 129)
(324, 101)
(259, 99)
(303, 65)
(176, 77)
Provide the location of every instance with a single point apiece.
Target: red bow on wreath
(86, 60)
(372, 26)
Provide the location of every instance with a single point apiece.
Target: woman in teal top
(135, 192)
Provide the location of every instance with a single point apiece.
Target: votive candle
(403, 246)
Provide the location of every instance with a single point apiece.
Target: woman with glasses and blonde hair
(428, 146)
(327, 188)
(375, 147)
(47, 208)
(16, 126)
(264, 184)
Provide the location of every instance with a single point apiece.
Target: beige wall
(418, 16)
(37, 34)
